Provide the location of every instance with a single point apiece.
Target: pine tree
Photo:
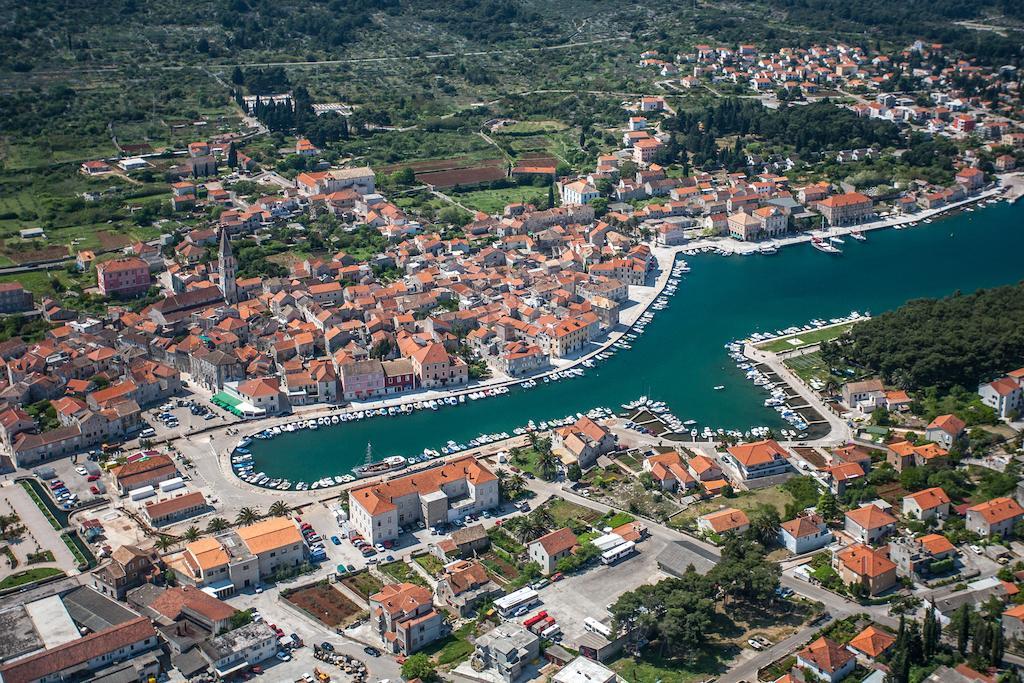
(237, 77)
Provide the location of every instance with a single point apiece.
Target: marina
(675, 354)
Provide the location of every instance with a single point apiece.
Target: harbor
(680, 358)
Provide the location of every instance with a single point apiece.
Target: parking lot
(574, 598)
(274, 611)
(182, 415)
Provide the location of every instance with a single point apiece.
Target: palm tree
(280, 509)
(191, 534)
(547, 461)
(516, 483)
(247, 516)
(217, 524)
(165, 542)
(534, 439)
(529, 528)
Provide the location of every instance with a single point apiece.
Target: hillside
(959, 340)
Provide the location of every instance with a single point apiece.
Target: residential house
(995, 517)
(945, 430)
(827, 660)
(724, 521)
(759, 459)
(927, 504)
(129, 567)
(550, 548)
(804, 534)
(239, 649)
(583, 441)
(871, 643)
(865, 395)
(404, 616)
(869, 524)
(669, 471)
(1004, 395)
(464, 585)
(505, 650)
(866, 566)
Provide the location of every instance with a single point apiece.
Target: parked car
(82, 471)
(335, 540)
(327, 646)
(283, 656)
(372, 651)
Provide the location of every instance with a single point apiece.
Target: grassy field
(531, 127)
(403, 573)
(430, 563)
(812, 369)
(493, 201)
(29, 576)
(775, 496)
(795, 341)
(562, 511)
(364, 583)
(651, 668)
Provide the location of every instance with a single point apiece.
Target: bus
(594, 626)
(617, 553)
(539, 616)
(607, 542)
(508, 605)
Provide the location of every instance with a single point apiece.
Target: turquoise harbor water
(681, 356)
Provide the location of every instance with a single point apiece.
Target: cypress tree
(915, 648)
(996, 648)
(963, 629)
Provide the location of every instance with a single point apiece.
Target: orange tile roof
(870, 517)
(557, 541)
(270, 534)
(377, 498)
(826, 655)
(872, 641)
(998, 510)
(929, 499)
(865, 561)
(726, 520)
(936, 544)
(208, 553)
(758, 452)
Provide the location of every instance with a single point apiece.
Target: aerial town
(427, 449)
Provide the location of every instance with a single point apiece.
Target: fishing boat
(389, 464)
(858, 236)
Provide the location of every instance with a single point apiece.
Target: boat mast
(369, 453)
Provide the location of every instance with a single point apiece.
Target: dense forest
(960, 340)
(818, 126)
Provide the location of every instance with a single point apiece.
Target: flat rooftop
(52, 621)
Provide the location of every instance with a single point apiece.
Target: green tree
(573, 472)
(764, 524)
(827, 506)
(419, 666)
(280, 509)
(247, 516)
(217, 524)
(191, 534)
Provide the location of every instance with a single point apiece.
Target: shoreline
(666, 258)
